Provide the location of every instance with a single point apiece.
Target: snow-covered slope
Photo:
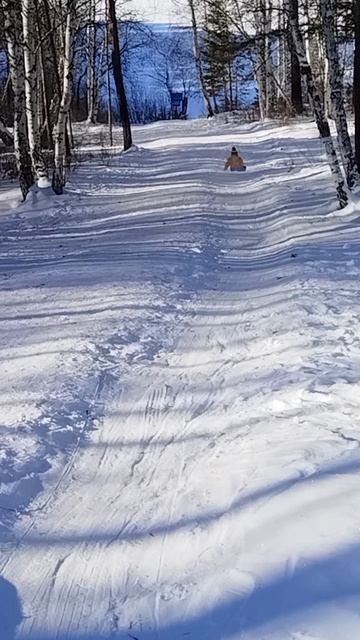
(180, 394)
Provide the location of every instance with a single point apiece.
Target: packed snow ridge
(180, 394)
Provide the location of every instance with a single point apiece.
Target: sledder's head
(234, 151)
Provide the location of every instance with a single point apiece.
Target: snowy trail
(209, 327)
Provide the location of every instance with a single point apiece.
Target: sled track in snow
(214, 496)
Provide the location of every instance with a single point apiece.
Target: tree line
(303, 56)
(306, 58)
(42, 45)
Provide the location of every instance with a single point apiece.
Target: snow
(179, 401)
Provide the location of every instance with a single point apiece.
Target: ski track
(187, 461)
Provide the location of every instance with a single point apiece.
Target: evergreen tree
(220, 53)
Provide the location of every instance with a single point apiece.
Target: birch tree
(108, 77)
(356, 81)
(13, 34)
(58, 181)
(91, 63)
(260, 21)
(269, 71)
(99, 75)
(31, 91)
(317, 107)
(336, 92)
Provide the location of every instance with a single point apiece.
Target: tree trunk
(50, 30)
(5, 135)
(322, 68)
(60, 130)
(336, 93)
(296, 85)
(31, 92)
(306, 29)
(296, 88)
(198, 62)
(91, 62)
(231, 88)
(261, 57)
(119, 79)
(47, 124)
(99, 82)
(356, 89)
(317, 107)
(284, 64)
(269, 69)
(54, 56)
(13, 34)
(108, 79)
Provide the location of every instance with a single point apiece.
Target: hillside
(180, 385)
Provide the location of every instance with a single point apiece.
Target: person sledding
(235, 162)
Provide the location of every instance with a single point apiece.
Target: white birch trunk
(91, 62)
(39, 101)
(60, 129)
(13, 34)
(306, 28)
(99, 82)
(284, 73)
(108, 76)
(356, 81)
(318, 110)
(260, 58)
(31, 91)
(336, 93)
(269, 71)
(287, 71)
(322, 69)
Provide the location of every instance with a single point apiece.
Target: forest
(179, 325)
(65, 61)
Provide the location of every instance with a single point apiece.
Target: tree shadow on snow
(10, 610)
(199, 520)
(312, 594)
